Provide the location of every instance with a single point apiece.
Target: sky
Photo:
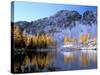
(30, 11)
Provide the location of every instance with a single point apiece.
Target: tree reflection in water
(34, 61)
(43, 61)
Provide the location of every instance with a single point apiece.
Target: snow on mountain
(63, 23)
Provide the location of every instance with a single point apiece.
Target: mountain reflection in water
(43, 61)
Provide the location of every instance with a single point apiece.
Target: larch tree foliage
(27, 40)
(35, 40)
(47, 40)
(17, 36)
(94, 40)
(84, 38)
(66, 40)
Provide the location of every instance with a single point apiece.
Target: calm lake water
(56, 60)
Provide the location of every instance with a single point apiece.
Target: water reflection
(42, 61)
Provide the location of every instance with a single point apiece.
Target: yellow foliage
(84, 60)
(26, 60)
(66, 58)
(38, 60)
(41, 39)
(42, 61)
(27, 40)
(47, 40)
(83, 39)
(17, 34)
(35, 39)
(95, 40)
(47, 59)
(66, 40)
(34, 60)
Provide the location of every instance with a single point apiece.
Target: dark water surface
(55, 60)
